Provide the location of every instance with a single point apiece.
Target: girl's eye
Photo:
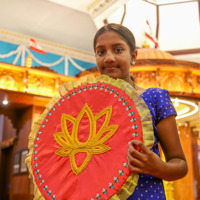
(100, 52)
(118, 50)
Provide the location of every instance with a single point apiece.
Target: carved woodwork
(178, 77)
(31, 80)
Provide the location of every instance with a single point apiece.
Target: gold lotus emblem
(94, 145)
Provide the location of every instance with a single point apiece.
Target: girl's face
(113, 56)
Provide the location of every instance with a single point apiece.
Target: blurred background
(45, 43)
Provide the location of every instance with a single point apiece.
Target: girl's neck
(138, 89)
(132, 81)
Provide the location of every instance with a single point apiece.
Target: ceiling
(43, 19)
(73, 23)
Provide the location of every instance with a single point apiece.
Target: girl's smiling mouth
(110, 68)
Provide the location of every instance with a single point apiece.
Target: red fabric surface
(55, 171)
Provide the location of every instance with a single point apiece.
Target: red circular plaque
(80, 147)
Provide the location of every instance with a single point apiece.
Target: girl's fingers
(140, 146)
(132, 161)
(139, 157)
(135, 170)
(134, 150)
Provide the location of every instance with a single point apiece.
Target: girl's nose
(109, 57)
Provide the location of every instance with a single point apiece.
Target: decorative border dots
(68, 96)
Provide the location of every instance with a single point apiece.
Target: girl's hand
(143, 160)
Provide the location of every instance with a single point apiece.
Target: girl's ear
(134, 56)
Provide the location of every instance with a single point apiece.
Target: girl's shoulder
(151, 91)
(156, 90)
(156, 96)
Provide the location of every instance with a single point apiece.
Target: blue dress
(160, 106)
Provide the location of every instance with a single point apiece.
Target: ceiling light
(176, 102)
(181, 112)
(184, 108)
(5, 102)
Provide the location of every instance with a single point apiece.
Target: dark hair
(124, 32)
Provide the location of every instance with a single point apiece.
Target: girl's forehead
(110, 36)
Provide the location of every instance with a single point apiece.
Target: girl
(115, 50)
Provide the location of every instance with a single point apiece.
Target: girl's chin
(112, 75)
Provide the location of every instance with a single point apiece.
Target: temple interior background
(64, 31)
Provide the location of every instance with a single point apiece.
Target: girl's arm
(147, 162)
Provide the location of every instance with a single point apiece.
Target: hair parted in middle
(123, 31)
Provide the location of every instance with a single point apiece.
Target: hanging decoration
(36, 47)
(21, 52)
(149, 34)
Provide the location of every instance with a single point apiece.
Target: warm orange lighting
(7, 83)
(31, 80)
(184, 108)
